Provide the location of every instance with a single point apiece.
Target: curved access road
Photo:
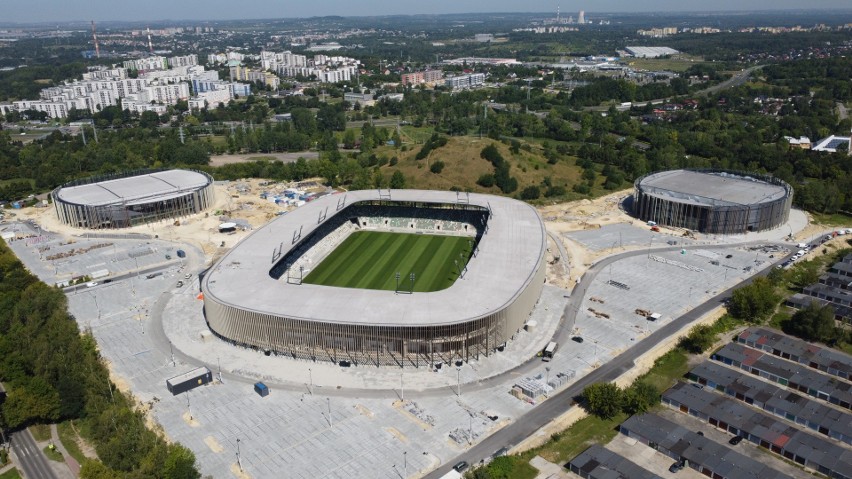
(618, 365)
(559, 403)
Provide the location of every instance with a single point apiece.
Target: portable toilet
(261, 389)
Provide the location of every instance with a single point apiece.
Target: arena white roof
(509, 254)
(131, 190)
(714, 189)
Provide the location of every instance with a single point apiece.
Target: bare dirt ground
(285, 157)
(238, 200)
(582, 215)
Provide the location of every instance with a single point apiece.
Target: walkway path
(72, 463)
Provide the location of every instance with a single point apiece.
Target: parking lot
(321, 420)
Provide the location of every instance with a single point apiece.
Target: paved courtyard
(321, 420)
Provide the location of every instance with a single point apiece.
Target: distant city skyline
(37, 11)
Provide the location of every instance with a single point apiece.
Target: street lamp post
(458, 381)
(411, 277)
(239, 461)
(188, 408)
(405, 463)
(172, 353)
(397, 282)
(311, 378)
(330, 423)
(401, 387)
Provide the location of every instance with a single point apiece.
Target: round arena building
(371, 277)
(713, 201)
(132, 198)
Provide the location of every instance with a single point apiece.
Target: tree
(754, 302)
(639, 397)
(31, 401)
(603, 399)
(397, 181)
(436, 167)
(530, 193)
(701, 337)
(813, 323)
(180, 463)
(486, 180)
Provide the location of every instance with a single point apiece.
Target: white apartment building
(183, 61)
(211, 98)
(465, 81)
(148, 63)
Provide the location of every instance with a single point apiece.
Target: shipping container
(189, 380)
(261, 389)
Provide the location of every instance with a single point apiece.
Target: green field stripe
(364, 271)
(335, 262)
(416, 262)
(349, 269)
(371, 259)
(425, 261)
(381, 274)
(443, 270)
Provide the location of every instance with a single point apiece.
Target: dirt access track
(221, 160)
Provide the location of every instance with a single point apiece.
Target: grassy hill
(463, 166)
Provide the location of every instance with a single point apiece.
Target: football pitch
(371, 259)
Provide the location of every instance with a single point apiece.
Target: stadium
(404, 278)
(713, 201)
(132, 198)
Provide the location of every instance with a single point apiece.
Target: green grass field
(371, 259)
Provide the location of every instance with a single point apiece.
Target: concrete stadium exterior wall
(377, 345)
(121, 215)
(709, 219)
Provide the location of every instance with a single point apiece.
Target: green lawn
(371, 259)
(10, 474)
(53, 454)
(40, 432)
(69, 440)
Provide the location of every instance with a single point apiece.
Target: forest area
(53, 373)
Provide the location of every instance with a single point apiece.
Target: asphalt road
(558, 404)
(30, 459)
(734, 81)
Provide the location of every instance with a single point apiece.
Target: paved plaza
(323, 420)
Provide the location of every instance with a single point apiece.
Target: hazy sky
(146, 10)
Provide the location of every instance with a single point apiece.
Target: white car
(91, 284)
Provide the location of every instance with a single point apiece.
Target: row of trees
(606, 400)
(52, 373)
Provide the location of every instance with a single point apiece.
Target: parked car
(461, 466)
(577, 339)
(735, 440)
(676, 467)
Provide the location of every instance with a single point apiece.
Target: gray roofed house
(704, 455)
(786, 373)
(819, 417)
(818, 453)
(597, 462)
(812, 355)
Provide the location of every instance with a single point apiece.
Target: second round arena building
(713, 201)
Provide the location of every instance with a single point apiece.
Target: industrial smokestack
(95, 40)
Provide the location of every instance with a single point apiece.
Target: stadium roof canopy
(711, 189)
(157, 186)
(509, 255)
